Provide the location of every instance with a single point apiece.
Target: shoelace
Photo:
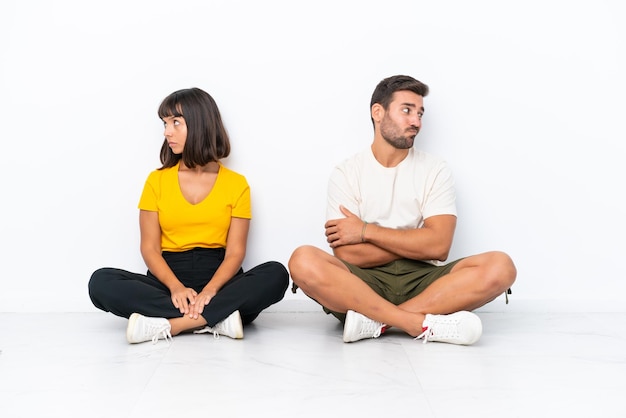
(204, 330)
(425, 335)
(164, 333)
(442, 329)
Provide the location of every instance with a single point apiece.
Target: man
(391, 219)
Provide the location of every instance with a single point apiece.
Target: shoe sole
(239, 329)
(348, 325)
(132, 320)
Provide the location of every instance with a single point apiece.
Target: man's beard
(394, 139)
(400, 142)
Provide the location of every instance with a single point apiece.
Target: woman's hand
(183, 298)
(201, 301)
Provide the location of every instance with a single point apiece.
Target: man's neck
(386, 154)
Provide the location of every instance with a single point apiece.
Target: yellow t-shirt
(185, 226)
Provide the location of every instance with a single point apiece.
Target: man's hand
(344, 231)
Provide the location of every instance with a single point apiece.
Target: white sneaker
(461, 327)
(358, 327)
(230, 327)
(143, 328)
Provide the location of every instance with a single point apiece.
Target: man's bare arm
(364, 255)
(369, 245)
(430, 242)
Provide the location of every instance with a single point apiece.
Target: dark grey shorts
(399, 280)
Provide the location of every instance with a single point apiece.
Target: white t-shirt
(398, 197)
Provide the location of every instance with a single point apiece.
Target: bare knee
(500, 271)
(310, 267)
(302, 261)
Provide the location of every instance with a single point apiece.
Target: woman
(194, 218)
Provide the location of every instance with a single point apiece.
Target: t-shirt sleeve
(441, 199)
(340, 193)
(148, 199)
(242, 206)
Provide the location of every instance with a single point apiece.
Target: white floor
(293, 363)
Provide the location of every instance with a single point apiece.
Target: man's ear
(377, 112)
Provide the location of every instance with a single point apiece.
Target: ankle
(415, 325)
(184, 323)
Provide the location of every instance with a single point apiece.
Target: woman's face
(175, 133)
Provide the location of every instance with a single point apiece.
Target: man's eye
(406, 110)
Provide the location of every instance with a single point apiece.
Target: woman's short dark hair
(207, 139)
(383, 93)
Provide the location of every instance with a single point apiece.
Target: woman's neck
(212, 167)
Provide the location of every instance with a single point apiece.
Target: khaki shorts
(399, 280)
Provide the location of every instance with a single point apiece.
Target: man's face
(403, 119)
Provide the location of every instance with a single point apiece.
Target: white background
(527, 105)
